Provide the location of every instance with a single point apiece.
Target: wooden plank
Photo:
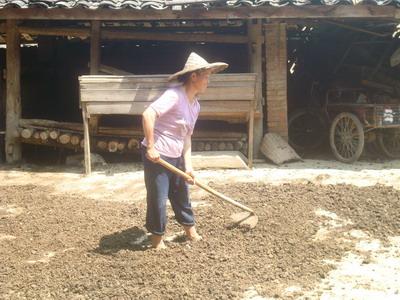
(218, 160)
(104, 84)
(113, 34)
(276, 149)
(50, 124)
(268, 12)
(13, 93)
(150, 94)
(137, 108)
(162, 78)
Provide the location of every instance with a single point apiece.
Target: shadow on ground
(134, 239)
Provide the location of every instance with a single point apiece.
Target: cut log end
(27, 133)
(44, 135)
(102, 145)
(75, 140)
(133, 144)
(53, 134)
(65, 138)
(113, 146)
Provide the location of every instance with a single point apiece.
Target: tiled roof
(162, 4)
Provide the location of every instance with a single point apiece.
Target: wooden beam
(55, 31)
(261, 12)
(95, 43)
(276, 78)
(255, 42)
(13, 96)
(113, 71)
(108, 34)
(95, 48)
(177, 37)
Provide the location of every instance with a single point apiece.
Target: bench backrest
(228, 95)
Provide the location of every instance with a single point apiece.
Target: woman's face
(200, 80)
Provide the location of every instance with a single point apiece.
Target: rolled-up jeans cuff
(154, 232)
(187, 224)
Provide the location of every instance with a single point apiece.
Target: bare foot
(192, 234)
(157, 242)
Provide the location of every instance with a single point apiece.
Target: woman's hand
(191, 174)
(152, 154)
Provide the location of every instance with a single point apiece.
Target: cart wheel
(307, 130)
(389, 142)
(346, 137)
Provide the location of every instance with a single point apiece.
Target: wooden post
(276, 78)
(94, 69)
(95, 48)
(251, 136)
(13, 96)
(88, 168)
(94, 65)
(255, 41)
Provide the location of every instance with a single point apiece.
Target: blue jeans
(161, 185)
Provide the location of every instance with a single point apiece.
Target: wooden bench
(230, 97)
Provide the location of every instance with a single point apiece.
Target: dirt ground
(66, 236)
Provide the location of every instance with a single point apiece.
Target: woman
(168, 124)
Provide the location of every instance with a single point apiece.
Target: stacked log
(75, 140)
(36, 135)
(53, 134)
(50, 137)
(109, 139)
(121, 146)
(219, 146)
(133, 144)
(64, 138)
(27, 133)
(112, 146)
(44, 135)
(102, 145)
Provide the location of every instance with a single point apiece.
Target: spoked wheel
(307, 130)
(346, 137)
(389, 142)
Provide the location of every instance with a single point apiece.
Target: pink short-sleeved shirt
(176, 118)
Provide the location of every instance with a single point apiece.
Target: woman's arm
(187, 156)
(149, 117)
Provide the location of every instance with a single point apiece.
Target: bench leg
(86, 141)
(251, 137)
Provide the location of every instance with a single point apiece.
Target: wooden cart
(355, 121)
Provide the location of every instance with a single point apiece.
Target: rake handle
(203, 186)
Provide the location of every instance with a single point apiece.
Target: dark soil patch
(94, 257)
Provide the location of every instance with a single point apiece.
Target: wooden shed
(251, 35)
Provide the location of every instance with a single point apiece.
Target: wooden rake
(247, 219)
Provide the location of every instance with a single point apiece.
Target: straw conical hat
(196, 62)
